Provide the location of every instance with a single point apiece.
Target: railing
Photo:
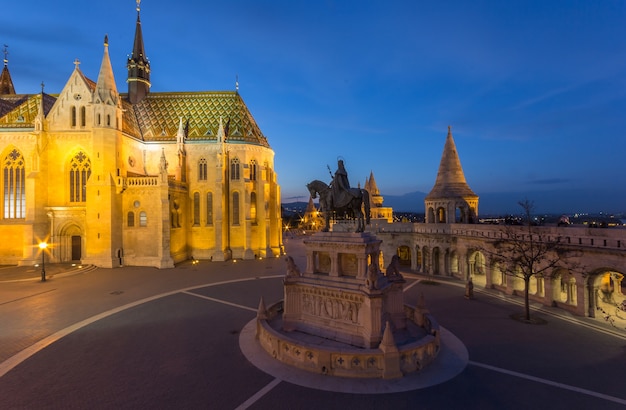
(606, 238)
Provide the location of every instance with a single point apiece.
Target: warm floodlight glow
(43, 245)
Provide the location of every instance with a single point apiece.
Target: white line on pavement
(220, 301)
(550, 383)
(258, 395)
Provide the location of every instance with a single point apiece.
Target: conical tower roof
(450, 181)
(6, 84)
(310, 208)
(372, 187)
(106, 90)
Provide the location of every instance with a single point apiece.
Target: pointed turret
(106, 90)
(451, 191)
(376, 198)
(6, 84)
(138, 67)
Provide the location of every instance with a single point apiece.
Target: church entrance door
(76, 248)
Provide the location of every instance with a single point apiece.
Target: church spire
(6, 84)
(106, 90)
(138, 67)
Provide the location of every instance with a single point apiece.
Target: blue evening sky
(535, 91)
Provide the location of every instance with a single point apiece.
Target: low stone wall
(352, 361)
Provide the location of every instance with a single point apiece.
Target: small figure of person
(469, 289)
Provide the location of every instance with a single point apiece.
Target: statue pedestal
(342, 295)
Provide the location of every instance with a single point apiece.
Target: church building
(139, 178)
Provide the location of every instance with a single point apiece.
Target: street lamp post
(43, 246)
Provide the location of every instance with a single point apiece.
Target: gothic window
(266, 169)
(108, 120)
(14, 185)
(73, 116)
(196, 208)
(253, 207)
(234, 169)
(209, 208)
(253, 170)
(235, 208)
(99, 119)
(143, 218)
(80, 170)
(83, 120)
(131, 219)
(202, 170)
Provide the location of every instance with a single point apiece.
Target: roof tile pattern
(158, 115)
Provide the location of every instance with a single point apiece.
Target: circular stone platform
(451, 360)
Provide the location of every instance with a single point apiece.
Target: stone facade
(141, 178)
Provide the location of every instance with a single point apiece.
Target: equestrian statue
(341, 200)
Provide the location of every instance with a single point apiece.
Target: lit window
(143, 218)
(14, 185)
(80, 170)
(234, 169)
(202, 170)
(253, 170)
(209, 208)
(196, 208)
(253, 207)
(235, 208)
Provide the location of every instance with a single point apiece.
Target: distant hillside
(498, 203)
(563, 201)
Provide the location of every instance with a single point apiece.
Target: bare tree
(524, 253)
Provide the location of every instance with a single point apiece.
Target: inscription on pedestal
(333, 306)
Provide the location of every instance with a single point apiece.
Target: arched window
(108, 120)
(253, 207)
(209, 208)
(234, 169)
(73, 116)
(83, 120)
(80, 170)
(202, 170)
(253, 170)
(143, 218)
(131, 219)
(99, 119)
(235, 208)
(14, 185)
(196, 208)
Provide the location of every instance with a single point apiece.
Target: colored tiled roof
(20, 110)
(158, 115)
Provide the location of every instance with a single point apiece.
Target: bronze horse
(360, 199)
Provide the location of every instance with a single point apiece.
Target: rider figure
(341, 186)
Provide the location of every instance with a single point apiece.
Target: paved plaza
(133, 338)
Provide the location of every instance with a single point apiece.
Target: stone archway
(477, 268)
(605, 297)
(404, 254)
(70, 243)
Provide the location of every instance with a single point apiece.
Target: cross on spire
(5, 50)
(77, 63)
